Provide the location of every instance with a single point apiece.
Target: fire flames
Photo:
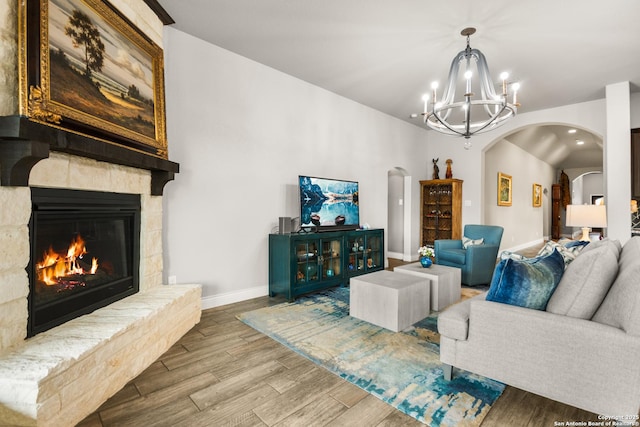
(56, 266)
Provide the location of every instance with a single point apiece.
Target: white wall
(592, 184)
(635, 110)
(617, 164)
(523, 224)
(242, 133)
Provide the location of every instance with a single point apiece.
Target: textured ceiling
(385, 53)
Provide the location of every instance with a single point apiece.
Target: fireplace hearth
(85, 252)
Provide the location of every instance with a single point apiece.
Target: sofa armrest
(552, 355)
(495, 320)
(454, 321)
(574, 361)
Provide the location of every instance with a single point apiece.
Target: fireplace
(85, 252)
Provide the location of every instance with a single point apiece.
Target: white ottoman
(445, 282)
(393, 301)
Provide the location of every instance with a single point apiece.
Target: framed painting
(537, 195)
(85, 68)
(504, 189)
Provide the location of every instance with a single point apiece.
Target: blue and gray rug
(402, 369)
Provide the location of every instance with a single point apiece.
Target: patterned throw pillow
(466, 242)
(526, 283)
(511, 255)
(569, 249)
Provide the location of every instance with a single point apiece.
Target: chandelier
(470, 115)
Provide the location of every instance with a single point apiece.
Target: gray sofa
(583, 350)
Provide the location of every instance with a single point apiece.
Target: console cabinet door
(310, 262)
(365, 251)
(306, 265)
(331, 258)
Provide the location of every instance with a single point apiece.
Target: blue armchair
(477, 262)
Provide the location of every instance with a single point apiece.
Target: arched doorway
(535, 154)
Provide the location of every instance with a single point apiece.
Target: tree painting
(102, 68)
(84, 34)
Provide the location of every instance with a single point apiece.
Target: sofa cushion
(585, 283)
(621, 306)
(526, 283)
(604, 242)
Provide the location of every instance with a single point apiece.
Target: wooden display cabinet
(440, 210)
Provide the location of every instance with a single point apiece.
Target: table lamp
(586, 216)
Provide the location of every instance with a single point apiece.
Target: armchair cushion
(585, 283)
(526, 283)
(466, 242)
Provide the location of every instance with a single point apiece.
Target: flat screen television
(328, 204)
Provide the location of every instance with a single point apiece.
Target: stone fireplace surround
(60, 376)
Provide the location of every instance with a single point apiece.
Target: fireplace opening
(85, 253)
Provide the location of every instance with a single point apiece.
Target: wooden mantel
(23, 143)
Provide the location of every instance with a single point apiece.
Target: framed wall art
(504, 189)
(85, 68)
(537, 195)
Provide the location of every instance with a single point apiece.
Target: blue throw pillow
(526, 283)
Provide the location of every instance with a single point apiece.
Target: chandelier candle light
(453, 117)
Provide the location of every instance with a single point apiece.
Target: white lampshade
(586, 216)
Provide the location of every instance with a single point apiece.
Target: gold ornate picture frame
(85, 68)
(536, 195)
(504, 189)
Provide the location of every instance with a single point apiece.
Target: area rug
(402, 369)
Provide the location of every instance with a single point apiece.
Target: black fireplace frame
(82, 203)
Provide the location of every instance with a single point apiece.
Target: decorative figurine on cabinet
(436, 169)
(449, 174)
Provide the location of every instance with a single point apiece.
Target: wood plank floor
(224, 373)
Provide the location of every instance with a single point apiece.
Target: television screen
(328, 203)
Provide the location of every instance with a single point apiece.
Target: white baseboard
(211, 301)
(401, 256)
(536, 242)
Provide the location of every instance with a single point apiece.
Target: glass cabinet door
(331, 259)
(444, 212)
(365, 252)
(307, 262)
(374, 250)
(355, 246)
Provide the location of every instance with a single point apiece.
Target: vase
(426, 261)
